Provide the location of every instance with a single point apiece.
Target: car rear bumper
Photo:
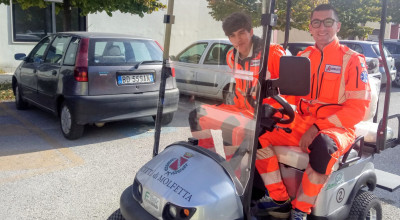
(105, 108)
(131, 209)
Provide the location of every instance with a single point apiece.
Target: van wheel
(20, 104)
(70, 129)
(366, 206)
(166, 118)
(396, 81)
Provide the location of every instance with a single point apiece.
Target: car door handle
(54, 72)
(34, 71)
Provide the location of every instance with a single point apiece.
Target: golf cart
(186, 181)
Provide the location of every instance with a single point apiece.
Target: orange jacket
(247, 72)
(340, 92)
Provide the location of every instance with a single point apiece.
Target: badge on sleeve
(364, 76)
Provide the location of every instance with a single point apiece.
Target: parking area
(45, 176)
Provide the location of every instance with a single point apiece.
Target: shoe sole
(279, 215)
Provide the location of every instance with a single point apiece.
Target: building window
(34, 23)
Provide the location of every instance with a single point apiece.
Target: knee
(321, 150)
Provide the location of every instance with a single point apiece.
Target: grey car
(89, 78)
(371, 49)
(201, 69)
(393, 46)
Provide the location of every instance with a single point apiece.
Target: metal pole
(168, 20)
(53, 17)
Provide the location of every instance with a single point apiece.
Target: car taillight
(81, 66)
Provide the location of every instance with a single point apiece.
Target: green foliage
(138, 7)
(353, 14)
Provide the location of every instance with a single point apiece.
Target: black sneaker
(267, 206)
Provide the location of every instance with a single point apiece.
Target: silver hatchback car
(201, 69)
(85, 78)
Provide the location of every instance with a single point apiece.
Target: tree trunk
(67, 15)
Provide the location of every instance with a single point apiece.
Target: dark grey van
(85, 78)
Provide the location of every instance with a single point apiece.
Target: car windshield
(377, 51)
(105, 52)
(208, 72)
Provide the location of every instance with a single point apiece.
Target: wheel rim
(372, 214)
(65, 120)
(397, 79)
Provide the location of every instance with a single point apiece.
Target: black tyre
(70, 129)
(396, 81)
(366, 206)
(20, 104)
(166, 118)
(116, 215)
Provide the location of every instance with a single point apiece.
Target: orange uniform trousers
(322, 158)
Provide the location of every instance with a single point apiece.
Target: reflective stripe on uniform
(361, 95)
(334, 119)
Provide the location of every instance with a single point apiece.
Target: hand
(308, 138)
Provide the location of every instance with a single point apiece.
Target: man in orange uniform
(324, 121)
(245, 61)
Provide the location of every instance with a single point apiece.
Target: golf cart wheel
(117, 215)
(396, 81)
(166, 118)
(70, 129)
(20, 104)
(366, 206)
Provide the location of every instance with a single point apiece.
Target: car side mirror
(294, 76)
(20, 56)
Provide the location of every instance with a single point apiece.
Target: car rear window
(111, 52)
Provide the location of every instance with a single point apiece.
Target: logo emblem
(177, 165)
(333, 69)
(364, 76)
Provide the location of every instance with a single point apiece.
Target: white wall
(7, 47)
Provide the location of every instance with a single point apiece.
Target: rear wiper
(147, 61)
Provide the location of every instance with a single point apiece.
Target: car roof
(358, 41)
(85, 34)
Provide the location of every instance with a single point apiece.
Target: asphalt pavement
(45, 176)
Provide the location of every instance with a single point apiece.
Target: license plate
(152, 200)
(135, 79)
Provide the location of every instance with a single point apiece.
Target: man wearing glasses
(324, 121)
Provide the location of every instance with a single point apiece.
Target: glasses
(328, 22)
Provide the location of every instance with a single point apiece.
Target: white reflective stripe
(306, 54)
(334, 119)
(265, 153)
(342, 89)
(243, 74)
(271, 177)
(361, 95)
(315, 177)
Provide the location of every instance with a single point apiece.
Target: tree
(138, 7)
(353, 14)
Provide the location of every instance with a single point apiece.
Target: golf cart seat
(294, 157)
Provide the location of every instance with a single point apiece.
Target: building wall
(7, 47)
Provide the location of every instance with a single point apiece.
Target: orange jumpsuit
(339, 97)
(234, 122)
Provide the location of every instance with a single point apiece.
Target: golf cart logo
(333, 69)
(177, 165)
(335, 181)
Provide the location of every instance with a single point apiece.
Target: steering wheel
(285, 110)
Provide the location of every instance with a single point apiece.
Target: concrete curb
(6, 77)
